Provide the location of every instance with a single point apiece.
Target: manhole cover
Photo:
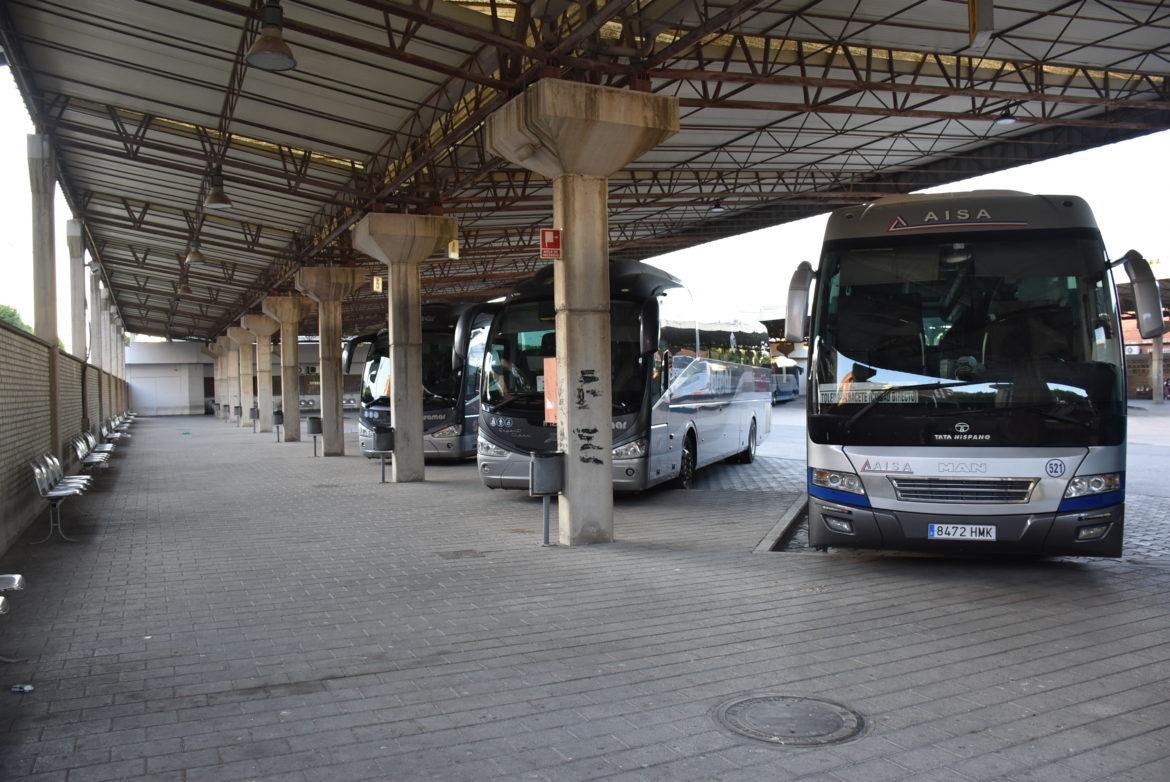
(790, 721)
(463, 553)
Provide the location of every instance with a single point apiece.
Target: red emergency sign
(550, 244)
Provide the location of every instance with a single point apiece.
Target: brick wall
(25, 408)
(92, 408)
(69, 412)
(24, 427)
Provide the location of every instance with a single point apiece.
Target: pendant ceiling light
(216, 198)
(1005, 118)
(194, 257)
(184, 289)
(269, 52)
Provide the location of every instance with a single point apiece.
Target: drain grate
(463, 553)
(790, 721)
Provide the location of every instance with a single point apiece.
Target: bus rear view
(967, 390)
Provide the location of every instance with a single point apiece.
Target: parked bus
(686, 392)
(966, 384)
(452, 354)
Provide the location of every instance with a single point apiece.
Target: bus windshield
(440, 381)
(981, 339)
(525, 336)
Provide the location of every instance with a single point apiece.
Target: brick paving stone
(237, 609)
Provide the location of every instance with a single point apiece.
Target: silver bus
(452, 354)
(687, 391)
(966, 382)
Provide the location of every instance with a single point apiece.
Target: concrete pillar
(76, 287)
(1157, 373)
(243, 339)
(42, 175)
(262, 328)
(328, 285)
(577, 135)
(95, 328)
(233, 377)
(43, 178)
(401, 241)
(222, 385)
(288, 311)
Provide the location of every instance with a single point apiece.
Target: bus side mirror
(648, 336)
(347, 351)
(1146, 295)
(795, 321)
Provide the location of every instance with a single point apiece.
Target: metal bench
(56, 491)
(9, 583)
(86, 456)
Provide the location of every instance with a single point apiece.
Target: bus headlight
(839, 481)
(485, 448)
(1085, 485)
(631, 450)
(448, 431)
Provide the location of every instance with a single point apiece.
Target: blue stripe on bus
(833, 495)
(1092, 501)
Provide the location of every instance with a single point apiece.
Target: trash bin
(546, 473)
(383, 438)
(278, 418)
(254, 413)
(239, 411)
(315, 426)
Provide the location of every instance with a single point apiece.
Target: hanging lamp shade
(216, 198)
(269, 52)
(195, 258)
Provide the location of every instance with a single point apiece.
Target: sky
(1124, 183)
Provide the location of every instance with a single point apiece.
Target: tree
(11, 316)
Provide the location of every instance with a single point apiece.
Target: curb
(786, 520)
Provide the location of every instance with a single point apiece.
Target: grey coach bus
(452, 354)
(687, 392)
(966, 384)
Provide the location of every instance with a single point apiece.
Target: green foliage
(11, 316)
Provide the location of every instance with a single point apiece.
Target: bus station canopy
(788, 108)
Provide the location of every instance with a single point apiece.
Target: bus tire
(748, 454)
(687, 466)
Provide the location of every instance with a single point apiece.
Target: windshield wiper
(871, 404)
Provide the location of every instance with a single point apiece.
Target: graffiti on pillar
(587, 377)
(585, 444)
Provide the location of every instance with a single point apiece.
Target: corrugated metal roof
(789, 108)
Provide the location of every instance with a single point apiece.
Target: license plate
(960, 532)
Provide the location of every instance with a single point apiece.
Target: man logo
(962, 428)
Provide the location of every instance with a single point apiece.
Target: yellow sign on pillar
(377, 284)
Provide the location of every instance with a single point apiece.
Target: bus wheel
(686, 470)
(748, 455)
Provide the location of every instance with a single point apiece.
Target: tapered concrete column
(288, 311)
(328, 285)
(401, 242)
(243, 339)
(262, 328)
(42, 179)
(76, 287)
(577, 135)
(222, 346)
(233, 377)
(95, 326)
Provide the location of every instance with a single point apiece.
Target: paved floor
(239, 610)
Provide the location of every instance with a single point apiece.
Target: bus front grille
(977, 491)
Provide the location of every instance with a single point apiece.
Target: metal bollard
(546, 477)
